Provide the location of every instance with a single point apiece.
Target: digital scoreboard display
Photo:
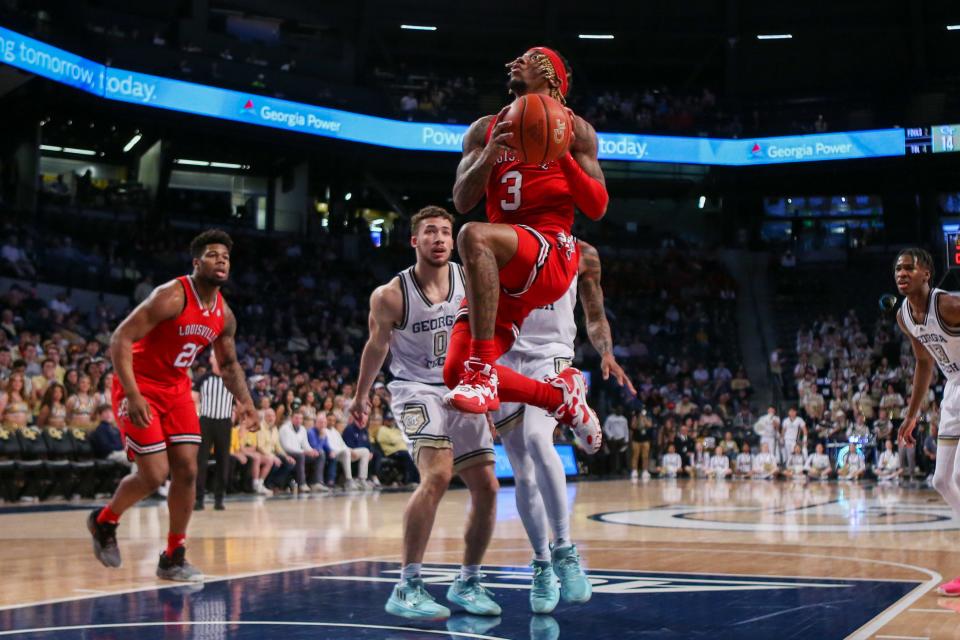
(945, 138)
(952, 243)
(917, 140)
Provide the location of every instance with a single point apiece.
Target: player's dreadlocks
(546, 67)
(921, 257)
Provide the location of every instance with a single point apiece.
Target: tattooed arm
(225, 350)
(598, 329)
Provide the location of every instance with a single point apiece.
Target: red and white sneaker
(950, 589)
(574, 411)
(477, 391)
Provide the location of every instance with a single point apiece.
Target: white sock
(468, 571)
(411, 571)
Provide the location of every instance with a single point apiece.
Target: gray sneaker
(177, 568)
(104, 541)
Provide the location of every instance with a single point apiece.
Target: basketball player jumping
(525, 256)
(931, 318)
(411, 317)
(152, 351)
(545, 347)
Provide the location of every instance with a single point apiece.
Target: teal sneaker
(411, 600)
(544, 628)
(574, 585)
(545, 591)
(473, 597)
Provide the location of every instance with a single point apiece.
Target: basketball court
(667, 559)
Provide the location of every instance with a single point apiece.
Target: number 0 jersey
(163, 356)
(535, 195)
(418, 345)
(941, 341)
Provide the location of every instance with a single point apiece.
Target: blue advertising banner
(503, 469)
(50, 62)
(188, 97)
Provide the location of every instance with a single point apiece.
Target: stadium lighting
(702, 202)
(132, 143)
(226, 165)
(50, 147)
(953, 27)
(418, 27)
(348, 196)
(192, 163)
(80, 152)
(774, 36)
(595, 36)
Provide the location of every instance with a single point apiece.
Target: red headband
(558, 66)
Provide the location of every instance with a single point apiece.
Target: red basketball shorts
(173, 418)
(545, 264)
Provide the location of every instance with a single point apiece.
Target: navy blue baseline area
(346, 600)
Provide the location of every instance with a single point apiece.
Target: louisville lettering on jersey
(198, 330)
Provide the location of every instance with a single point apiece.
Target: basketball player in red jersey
(525, 257)
(152, 351)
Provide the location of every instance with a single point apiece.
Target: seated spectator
(893, 402)
(709, 420)
(859, 429)
(719, 464)
(394, 447)
(888, 465)
(14, 407)
(818, 464)
(261, 463)
(853, 467)
(765, 464)
(317, 436)
(53, 412)
(882, 426)
(671, 464)
(105, 439)
(345, 456)
(795, 465)
(293, 439)
(357, 439)
(81, 405)
(744, 464)
(268, 441)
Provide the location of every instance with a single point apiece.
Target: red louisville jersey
(164, 355)
(536, 195)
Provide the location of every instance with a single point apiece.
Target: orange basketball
(541, 128)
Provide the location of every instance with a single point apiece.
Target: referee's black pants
(215, 432)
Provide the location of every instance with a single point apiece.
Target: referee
(216, 422)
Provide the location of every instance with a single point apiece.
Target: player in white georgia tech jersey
(931, 319)
(411, 317)
(544, 348)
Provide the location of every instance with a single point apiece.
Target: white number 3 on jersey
(513, 190)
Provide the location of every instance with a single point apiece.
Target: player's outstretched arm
(922, 376)
(164, 303)
(598, 328)
(582, 169)
(234, 379)
(386, 312)
(478, 159)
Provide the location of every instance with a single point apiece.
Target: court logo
(878, 515)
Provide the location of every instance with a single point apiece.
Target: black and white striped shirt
(215, 401)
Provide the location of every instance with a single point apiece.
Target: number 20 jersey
(535, 195)
(163, 356)
(941, 341)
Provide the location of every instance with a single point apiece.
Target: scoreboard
(941, 138)
(951, 241)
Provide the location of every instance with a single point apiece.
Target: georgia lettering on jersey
(418, 346)
(940, 341)
(536, 195)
